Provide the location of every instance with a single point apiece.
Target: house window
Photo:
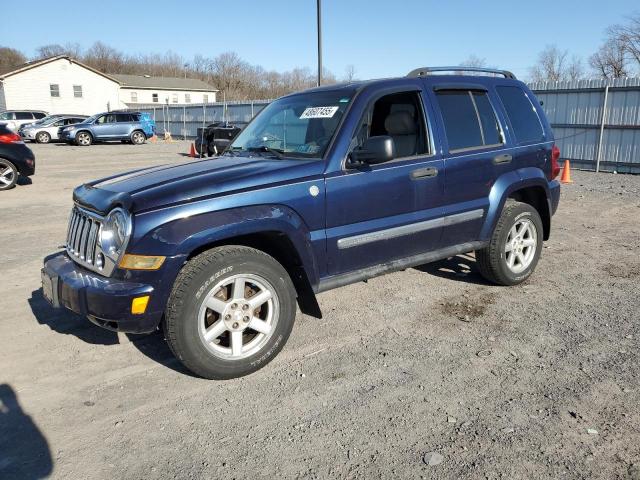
(187, 98)
(205, 98)
(174, 98)
(54, 88)
(134, 97)
(77, 91)
(154, 97)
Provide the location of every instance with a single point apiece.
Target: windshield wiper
(263, 148)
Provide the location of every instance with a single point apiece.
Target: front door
(379, 213)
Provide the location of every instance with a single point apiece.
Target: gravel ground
(426, 373)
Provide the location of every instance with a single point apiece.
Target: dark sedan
(16, 159)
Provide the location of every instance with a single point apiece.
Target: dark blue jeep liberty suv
(323, 188)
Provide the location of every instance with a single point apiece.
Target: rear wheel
(231, 311)
(84, 139)
(8, 174)
(43, 137)
(515, 246)
(138, 137)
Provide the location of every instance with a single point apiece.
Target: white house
(62, 84)
(145, 89)
(58, 85)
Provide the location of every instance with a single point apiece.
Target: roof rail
(421, 72)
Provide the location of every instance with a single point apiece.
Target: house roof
(163, 83)
(36, 63)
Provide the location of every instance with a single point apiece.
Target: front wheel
(230, 312)
(43, 137)
(515, 246)
(84, 139)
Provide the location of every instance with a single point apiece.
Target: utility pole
(319, 8)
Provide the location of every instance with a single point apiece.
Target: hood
(166, 185)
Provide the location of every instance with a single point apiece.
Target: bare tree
(474, 61)
(349, 73)
(610, 60)
(10, 57)
(71, 49)
(628, 38)
(551, 65)
(575, 69)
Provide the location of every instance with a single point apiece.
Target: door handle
(424, 173)
(504, 158)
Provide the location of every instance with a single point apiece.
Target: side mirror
(375, 150)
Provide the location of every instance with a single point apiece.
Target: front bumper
(67, 136)
(104, 301)
(27, 134)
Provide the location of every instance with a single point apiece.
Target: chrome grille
(82, 239)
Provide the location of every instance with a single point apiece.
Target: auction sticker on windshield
(319, 112)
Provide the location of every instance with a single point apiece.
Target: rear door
(379, 213)
(522, 109)
(125, 124)
(477, 153)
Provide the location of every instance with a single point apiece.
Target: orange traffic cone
(566, 173)
(153, 139)
(192, 151)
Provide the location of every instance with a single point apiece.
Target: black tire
(84, 139)
(138, 137)
(8, 174)
(183, 322)
(43, 137)
(492, 260)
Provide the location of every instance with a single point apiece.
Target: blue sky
(379, 38)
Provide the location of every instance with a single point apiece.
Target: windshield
(92, 118)
(296, 126)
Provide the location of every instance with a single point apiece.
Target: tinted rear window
(460, 119)
(469, 119)
(39, 115)
(524, 119)
(24, 116)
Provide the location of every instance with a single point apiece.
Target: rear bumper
(104, 301)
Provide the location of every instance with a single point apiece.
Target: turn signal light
(141, 262)
(139, 305)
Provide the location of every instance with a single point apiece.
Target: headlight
(115, 233)
(68, 129)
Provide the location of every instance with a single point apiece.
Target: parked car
(47, 129)
(14, 119)
(16, 159)
(215, 138)
(134, 127)
(324, 188)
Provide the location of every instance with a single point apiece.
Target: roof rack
(421, 72)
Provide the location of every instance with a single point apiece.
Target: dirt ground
(426, 373)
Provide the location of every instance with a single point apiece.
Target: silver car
(46, 129)
(14, 119)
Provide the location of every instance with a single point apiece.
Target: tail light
(555, 166)
(10, 138)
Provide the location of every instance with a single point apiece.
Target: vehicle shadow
(25, 452)
(461, 268)
(68, 323)
(155, 347)
(22, 181)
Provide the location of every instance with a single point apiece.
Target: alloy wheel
(238, 316)
(521, 244)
